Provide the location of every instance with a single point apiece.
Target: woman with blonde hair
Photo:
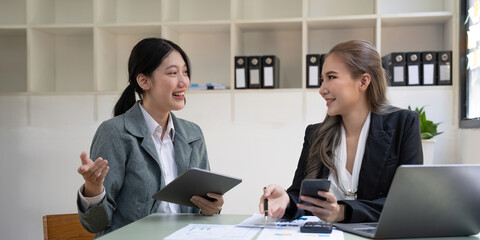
(358, 146)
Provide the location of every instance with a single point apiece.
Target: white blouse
(347, 185)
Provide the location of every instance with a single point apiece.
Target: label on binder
(413, 75)
(268, 76)
(313, 76)
(240, 80)
(428, 74)
(398, 74)
(254, 76)
(444, 73)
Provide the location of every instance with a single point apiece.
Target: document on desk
(258, 220)
(295, 234)
(213, 232)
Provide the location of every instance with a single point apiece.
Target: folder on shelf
(314, 69)
(271, 71)
(255, 72)
(429, 68)
(241, 72)
(395, 67)
(444, 60)
(413, 68)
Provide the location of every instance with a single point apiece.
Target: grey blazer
(135, 170)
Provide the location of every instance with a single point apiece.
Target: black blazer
(393, 140)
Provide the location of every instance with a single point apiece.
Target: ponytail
(126, 101)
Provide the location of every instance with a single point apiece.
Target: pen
(265, 207)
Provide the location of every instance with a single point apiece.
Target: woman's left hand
(209, 207)
(328, 210)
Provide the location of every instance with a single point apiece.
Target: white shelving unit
(65, 46)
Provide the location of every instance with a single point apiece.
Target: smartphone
(310, 187)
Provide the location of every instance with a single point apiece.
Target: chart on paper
(258, 220)
(213, 232)
(295, 234)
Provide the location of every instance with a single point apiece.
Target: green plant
(427, 127)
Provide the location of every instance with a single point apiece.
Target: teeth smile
(179, 94)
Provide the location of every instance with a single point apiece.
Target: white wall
(468, 148)
(257, 137)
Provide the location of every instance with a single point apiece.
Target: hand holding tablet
(195, 182)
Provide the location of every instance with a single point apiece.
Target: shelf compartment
(415, 6)
(275, 25)
(267, 9)
(113, 47)
(413, 19)
(200, 27)
(61, 11)
(196, 10)
(285, 44)
(328, 8)
(13, 12)
(343, 21)
(208, 51)
(433, 37)
(128, 11)
(60, 61)
(322, 39)
(13, 60)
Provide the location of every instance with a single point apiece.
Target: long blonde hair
(359, 57)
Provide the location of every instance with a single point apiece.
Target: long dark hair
(145, 57)
(360, 57)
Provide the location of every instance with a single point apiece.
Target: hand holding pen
(265, 206)
(278, 201)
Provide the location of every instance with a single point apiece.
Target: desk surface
(160, 225)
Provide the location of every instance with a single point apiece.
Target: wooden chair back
(64, 227)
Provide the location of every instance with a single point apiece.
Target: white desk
(160, 225)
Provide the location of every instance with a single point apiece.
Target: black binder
(395, 67)
(241, 73)
(413, 68)
(255, 72)
(314, 70)
(429, 68)
(444, 60)
(271, 71)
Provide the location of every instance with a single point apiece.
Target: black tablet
(195, 182)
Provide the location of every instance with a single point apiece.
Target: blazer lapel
(135, 124)
(182, 147)
(376, 149)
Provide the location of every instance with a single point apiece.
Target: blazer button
(380, 195)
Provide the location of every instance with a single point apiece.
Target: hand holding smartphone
(310, 187)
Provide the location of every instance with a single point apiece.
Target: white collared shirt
(347, 185)
(166, 154)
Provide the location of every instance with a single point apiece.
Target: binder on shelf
(444, 60)
(271, 71)
(241, 72)
(314, 70)
(255, 72)
(429, 68)
(413, 68)
(395, 66)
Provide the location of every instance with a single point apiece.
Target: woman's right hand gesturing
(94, 174)
(278, 201)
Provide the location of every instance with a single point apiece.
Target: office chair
(64, 227)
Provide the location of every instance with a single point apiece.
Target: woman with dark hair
(358, 146)
(145, 144)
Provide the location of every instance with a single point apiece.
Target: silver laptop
(427, 201)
